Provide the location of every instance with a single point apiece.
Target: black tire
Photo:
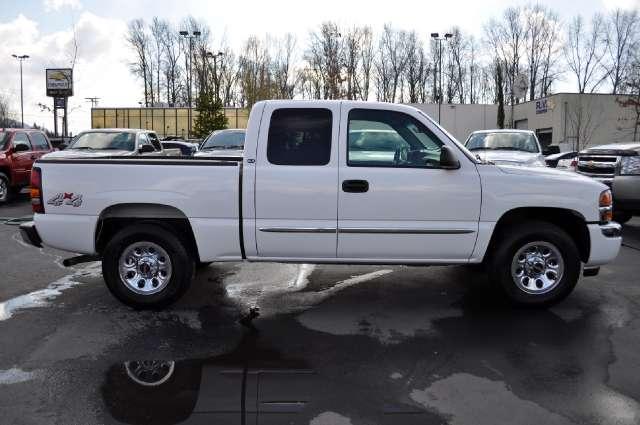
(181, 262)
(532, 231)
(622, 216)
(6, 191)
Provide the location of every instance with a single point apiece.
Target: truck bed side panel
(205, 193)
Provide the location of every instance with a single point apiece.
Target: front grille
(597, 165)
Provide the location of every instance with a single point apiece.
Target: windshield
(525, 142)
(105, 141)
(224, 140)
(4, 137)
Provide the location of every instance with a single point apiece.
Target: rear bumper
(605, 243)
(30, 234)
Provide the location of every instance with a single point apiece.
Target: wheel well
(117, 217)
(571, 221)
(7, 172)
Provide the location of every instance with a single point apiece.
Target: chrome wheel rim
(145, 268)
(149, 373)
(537, 267)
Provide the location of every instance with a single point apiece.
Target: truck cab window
(390, 139)
(300, 136)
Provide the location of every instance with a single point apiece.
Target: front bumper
(605, 243)
(30, 234)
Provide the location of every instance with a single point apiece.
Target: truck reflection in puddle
(253, 384)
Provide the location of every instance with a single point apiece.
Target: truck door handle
(355, 186)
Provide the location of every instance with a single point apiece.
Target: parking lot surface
(333, 345)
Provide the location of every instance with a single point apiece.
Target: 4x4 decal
(65, 198)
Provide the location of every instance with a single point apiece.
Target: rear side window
(39, 142)
(299, 136)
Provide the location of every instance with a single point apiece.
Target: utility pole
(215, 72)
(190, 37)
(21, 58)
(93, 100)
(438, 39)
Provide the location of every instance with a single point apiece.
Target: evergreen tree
(210, 115)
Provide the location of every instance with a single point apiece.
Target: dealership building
(570, 120)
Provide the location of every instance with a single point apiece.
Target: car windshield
(525, 142)
(224, 140)
(4, 136)
(95, 140)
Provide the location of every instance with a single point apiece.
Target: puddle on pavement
(501, 358)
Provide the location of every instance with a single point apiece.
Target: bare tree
(542, 35)
(507, 39)
(324, 56)
(622, 39)
(283, 66)
(392, 60)
(417, 69)
(585, 115)
(138, 40)
(584, 51)
(5, 112)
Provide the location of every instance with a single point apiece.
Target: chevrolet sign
(59, 82)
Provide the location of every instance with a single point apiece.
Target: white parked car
(228, 142)
(509, 147)
(563, 160)
(114, 142)
(306, 190)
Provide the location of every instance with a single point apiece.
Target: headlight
(630, 166)
(605, 205)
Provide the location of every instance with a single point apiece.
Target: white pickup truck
(325, 182)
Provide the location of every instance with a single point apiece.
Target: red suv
(19, 148)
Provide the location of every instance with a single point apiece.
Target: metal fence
(164, 121)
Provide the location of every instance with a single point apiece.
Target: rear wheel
(536, 264)
(147, 266)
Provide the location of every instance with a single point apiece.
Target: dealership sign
(541, 106)
(59, 82)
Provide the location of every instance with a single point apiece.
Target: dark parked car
(617, 166)
(19, 148)
(186, 148)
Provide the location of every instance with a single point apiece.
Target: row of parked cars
(20, 148)
(616, 165)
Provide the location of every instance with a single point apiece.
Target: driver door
(394, 201)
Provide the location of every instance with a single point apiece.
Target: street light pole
(190, 37)
(215, 72)
(439, 40)
(21, 58)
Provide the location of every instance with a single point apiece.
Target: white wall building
(572, 121)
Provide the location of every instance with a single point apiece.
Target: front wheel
(147, 266)
(5, 188)
(536, 264)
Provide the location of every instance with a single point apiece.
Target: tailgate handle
(355, 186)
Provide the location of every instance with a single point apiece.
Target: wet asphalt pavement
(333, 345)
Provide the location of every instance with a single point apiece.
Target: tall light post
(21, 58)
(190, 37)
(439, 40)
(215, 71)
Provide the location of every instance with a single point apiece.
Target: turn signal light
(606, 206)
(37, 206)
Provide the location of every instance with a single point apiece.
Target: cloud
(55, 5)
(100, 68)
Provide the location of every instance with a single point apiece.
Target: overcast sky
(43, 30)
